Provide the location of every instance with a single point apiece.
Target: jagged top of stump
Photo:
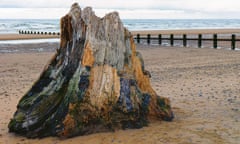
(105, 36)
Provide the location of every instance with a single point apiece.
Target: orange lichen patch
(69, 126)
(142, 80)
(133, 46)
(116, 83)
(104, 86)
(88, 58)
(71, 106)
(69, 122)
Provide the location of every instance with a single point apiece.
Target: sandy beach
(25, 36)
(202, 84)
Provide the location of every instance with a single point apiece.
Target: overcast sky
(168, 9)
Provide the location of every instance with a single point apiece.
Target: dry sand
(25, 36)
(203, 85)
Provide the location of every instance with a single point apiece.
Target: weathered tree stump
(95, 82)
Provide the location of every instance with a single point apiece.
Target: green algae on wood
(95, 82)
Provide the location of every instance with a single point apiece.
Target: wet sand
(202, 84)
(187, 31)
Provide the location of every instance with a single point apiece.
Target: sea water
(53, 25)
(14, 25)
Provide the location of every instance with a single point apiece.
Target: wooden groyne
(200, 40)
(38, 32)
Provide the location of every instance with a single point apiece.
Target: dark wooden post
(199, 40)
(184, 40)
(233, 41)
(160, 39)
(171, 39)
(148, 38)
(215, 41)
(138, 38)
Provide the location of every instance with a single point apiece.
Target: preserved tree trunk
(96, 82)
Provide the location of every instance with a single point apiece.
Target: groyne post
(160, 39)
(215, 41)
(184, 40)
(138, 38)
(199, 40)
(171, 39)
(233, 41)
(148, 39)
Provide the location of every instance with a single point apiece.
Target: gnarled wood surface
(95, 82)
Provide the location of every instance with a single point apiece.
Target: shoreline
(4, 37)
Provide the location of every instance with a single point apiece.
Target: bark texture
(95, 82)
